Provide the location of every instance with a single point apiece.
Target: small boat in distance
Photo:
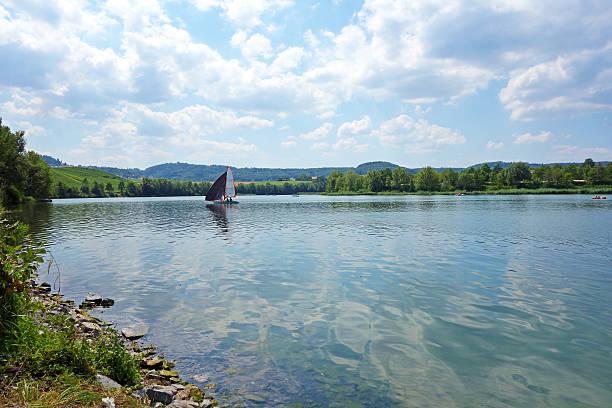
(223, 191)
(599, 197)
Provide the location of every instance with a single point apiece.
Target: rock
(93, 297)
(90, 327)
(141, 393)
(153, 375)
(160, 394)
(107, 302)
(184, 404)
(109, 402)
(196, 394)
(106, 383)
(135, 331)
(207, 402)
(178, 387)
(168, 373)
(152, 363)
(86, 304)
(45, 287)
(183, 394)
(254, 398)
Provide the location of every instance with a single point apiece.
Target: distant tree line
(267, 188)
(145, 188)
(517, 175)
(22, 173)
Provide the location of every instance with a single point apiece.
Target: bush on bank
(35, 343)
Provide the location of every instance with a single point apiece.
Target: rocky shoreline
(160, 384)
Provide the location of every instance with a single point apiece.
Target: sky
(287, 83)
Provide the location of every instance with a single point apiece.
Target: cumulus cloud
(356, 127)
(566, 86)
(491, 145)
(319, 133)
(529, 138)
(243, 13)
(412, 135)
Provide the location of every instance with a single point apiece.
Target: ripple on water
(384, 301)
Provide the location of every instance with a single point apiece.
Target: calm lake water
(443, 301)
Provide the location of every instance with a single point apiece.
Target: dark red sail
(216, 191)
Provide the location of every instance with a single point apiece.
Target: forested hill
(202, 172)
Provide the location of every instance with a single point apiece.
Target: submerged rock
(107, 302)
(135, 331)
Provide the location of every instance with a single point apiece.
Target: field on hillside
(72, 177)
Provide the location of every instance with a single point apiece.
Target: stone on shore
(160, 394)
(45, 287)
(135, 331)
(90, 327)
(152, 363)
(106, 383)
(168, 373)
(184, 404)
(93, 297)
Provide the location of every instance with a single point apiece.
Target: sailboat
(223, 191)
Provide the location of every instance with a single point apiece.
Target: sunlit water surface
(499, 301)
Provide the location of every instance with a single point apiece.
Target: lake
(377, 301)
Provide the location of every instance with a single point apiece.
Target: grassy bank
(55, 355)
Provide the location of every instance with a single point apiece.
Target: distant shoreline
(521, 191)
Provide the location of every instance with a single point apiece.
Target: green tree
(448, 180)
(109, 189)
(121, 187)
(588, 163)
(37, 176)
(85, 187)
(375, 181)
(427, 180)
(332, 181)
(400, 180)
(517, 173)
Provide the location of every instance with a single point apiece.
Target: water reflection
(370, 301)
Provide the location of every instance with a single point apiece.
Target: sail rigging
(223, 188)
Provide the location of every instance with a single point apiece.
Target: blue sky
(282, 83)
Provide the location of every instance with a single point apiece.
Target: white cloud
(243, 13)
(350, 143)
(252, 47)
(319, 133)
(491, 145)
(320, 146)
(288, 143)
(570, 85)
(356, 127)
(541, 137)
(31, 130)
(415, 135)
(579, 154)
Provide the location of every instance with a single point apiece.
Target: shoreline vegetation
(25, 176)
(53, 354)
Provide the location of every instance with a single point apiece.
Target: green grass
(74, 176)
